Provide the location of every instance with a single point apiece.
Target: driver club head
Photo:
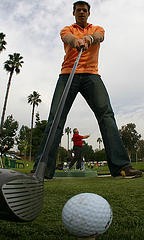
(21, 196)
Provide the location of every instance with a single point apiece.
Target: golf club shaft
(43, 160)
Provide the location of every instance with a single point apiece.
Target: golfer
(77, 148)
(88, 82)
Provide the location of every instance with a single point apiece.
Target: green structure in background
(76, 173)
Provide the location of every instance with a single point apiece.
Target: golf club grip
(50, 138)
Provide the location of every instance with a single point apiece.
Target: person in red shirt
(77, 148)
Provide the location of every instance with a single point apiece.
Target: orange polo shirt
(89, 59)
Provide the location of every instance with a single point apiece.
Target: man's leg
(72, 162)
(51, 158)
(97, 97)
(77, 158)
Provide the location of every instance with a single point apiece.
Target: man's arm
(97, 37)
(73, 41)
(85, 42)
(94, 38)
(86, 136)
(69, 38)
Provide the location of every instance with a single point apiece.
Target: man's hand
(88, 39)
(79, 43)
(84, 42)
(74, 42)
(98, 37)
(94, 38)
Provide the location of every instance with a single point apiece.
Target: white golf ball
(87, 214)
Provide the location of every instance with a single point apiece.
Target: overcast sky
(32, 29)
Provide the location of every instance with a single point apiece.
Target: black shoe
(48, 177)
(129, 172)
(45, 177)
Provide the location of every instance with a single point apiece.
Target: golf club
(21, 195)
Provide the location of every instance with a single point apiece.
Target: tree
(140, 150)
(100, 155)
(99, 140)
(23, 140)
(130, 138)
(37, 118)
(34, 100)
(68, 132)
(2, 42)
(9, 132)
(87, 152)
(37, 135)
(62, 155)
(12, 65)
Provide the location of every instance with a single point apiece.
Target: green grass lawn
(126, 198)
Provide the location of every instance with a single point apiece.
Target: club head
(21, 196)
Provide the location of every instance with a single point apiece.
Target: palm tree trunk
(68, 141)
(5, 101)
(32, 120)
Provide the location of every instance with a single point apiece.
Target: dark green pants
(93, 90)
(77, 157)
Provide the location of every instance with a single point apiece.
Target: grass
(126, 197)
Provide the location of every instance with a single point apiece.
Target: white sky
(32, 29)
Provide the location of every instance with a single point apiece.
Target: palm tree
(99, 140)
(2, 42)
(34, 100)
(12, 65)
(68, 132)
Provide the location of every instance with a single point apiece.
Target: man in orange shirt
(88, 82)
(77, 148)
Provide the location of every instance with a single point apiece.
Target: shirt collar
(77, 26)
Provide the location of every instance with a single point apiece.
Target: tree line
(28, 140)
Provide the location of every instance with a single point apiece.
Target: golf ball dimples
(87, 214)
